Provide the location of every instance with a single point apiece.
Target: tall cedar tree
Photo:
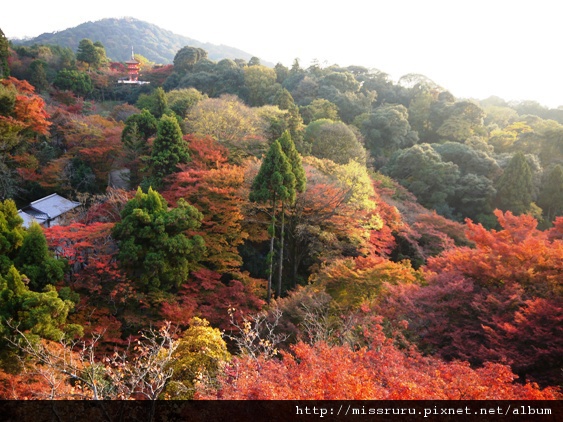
(515, 186)
(169, 149)
(152, 245)
(288, 148)
(274, 182)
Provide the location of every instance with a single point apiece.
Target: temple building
(133, 67)
(48, 211)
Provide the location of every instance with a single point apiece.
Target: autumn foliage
(271, 269)
(28, 112)
(500, 301)
(377, 372)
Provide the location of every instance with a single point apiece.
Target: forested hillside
(120, 35)
(249, 232)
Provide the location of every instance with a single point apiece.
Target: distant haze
(477, 48)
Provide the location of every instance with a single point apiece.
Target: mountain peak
(118, 35)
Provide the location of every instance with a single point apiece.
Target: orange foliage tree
(106, 296)
(23, 119)
(213, 187)
(330, 220)
(92, 140)
(410, 230)
(500, 301)
(28, 111)
(377, 372)
(363, 280)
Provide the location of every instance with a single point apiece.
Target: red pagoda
(133, 67)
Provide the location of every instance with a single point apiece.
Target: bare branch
(257, 336)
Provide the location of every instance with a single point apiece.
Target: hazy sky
(474, 48)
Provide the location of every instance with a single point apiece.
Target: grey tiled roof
(46, 209)
(52, 205)
(28, 218)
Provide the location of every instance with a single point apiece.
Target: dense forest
(256, 232)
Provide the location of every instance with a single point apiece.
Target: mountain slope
(119, 35)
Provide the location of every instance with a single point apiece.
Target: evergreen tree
(169, 149)
(551, 195)
(285, 101)
(88, 53)
(274, 182)
(160, 102)
(515, 187)
(281, 73)
(290, 151)
(101, 51)
(423, 172)
(155, 102)
(187, 57)
(38, 76)
(254, 61)
(11, 234)
(135, 136)
(4, 54)
(153, 246)
(36, 262)
(41, 314)
(78, 82)
(144, 124)
(288, 148)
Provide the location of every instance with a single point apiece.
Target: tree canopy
(169, 148)
(333, 140)
(153, 246)
(326, 219)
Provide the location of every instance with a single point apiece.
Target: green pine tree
(153, 246)
(285, 101)
(88, 53)
(40, 314)
(288, 148)
(274, 182)
(515, 187)
(169, 149)
(12, 234)
(36, 262)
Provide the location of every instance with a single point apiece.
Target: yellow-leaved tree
(200, 354)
